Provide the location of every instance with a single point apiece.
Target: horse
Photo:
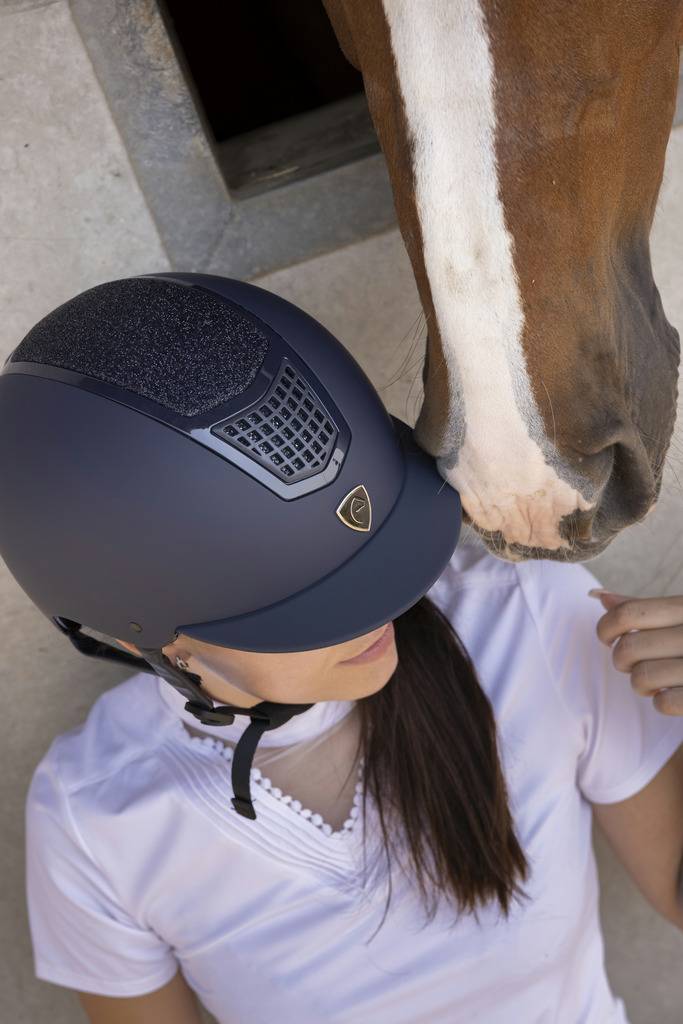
(525, 144)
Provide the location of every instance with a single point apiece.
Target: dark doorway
(280, 100)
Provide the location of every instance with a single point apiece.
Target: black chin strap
(264, 716)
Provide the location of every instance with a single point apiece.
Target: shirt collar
(306, 726)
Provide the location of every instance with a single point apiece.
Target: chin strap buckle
(220, 715)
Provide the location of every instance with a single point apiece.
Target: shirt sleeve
(623, 739)
(81, 935)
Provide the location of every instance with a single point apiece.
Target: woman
(412, 840)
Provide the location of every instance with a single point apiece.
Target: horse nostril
(594, 449)
(594, 464)
(597, 441)
(618, 467)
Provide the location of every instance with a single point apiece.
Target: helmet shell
(122, 514)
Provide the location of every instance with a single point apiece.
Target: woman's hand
(649, 644)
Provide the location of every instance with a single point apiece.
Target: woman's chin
(372, 682)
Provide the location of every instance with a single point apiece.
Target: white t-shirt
(136, 860)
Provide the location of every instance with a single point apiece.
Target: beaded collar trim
(223, 750)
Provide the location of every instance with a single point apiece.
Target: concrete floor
(72, 215)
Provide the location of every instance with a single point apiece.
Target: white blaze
(445, 73)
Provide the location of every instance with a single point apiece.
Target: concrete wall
(72, 214)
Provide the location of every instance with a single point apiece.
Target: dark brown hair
(429, 740)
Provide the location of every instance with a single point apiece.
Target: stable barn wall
(78, 208)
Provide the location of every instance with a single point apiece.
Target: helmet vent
(288, 430)
(185, 348)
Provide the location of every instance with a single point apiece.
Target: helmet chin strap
(264, 716)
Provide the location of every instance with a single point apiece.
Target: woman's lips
(376, 650)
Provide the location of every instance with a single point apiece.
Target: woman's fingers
(640, 613)
(669, 702)
(649, 676)
(648, 644)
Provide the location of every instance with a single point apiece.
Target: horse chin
(495, 543)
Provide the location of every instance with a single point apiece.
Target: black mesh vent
(288, 430)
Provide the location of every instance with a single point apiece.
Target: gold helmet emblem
(355, 511)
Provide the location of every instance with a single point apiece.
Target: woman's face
(245, 678)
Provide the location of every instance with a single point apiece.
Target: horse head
(525, 146)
